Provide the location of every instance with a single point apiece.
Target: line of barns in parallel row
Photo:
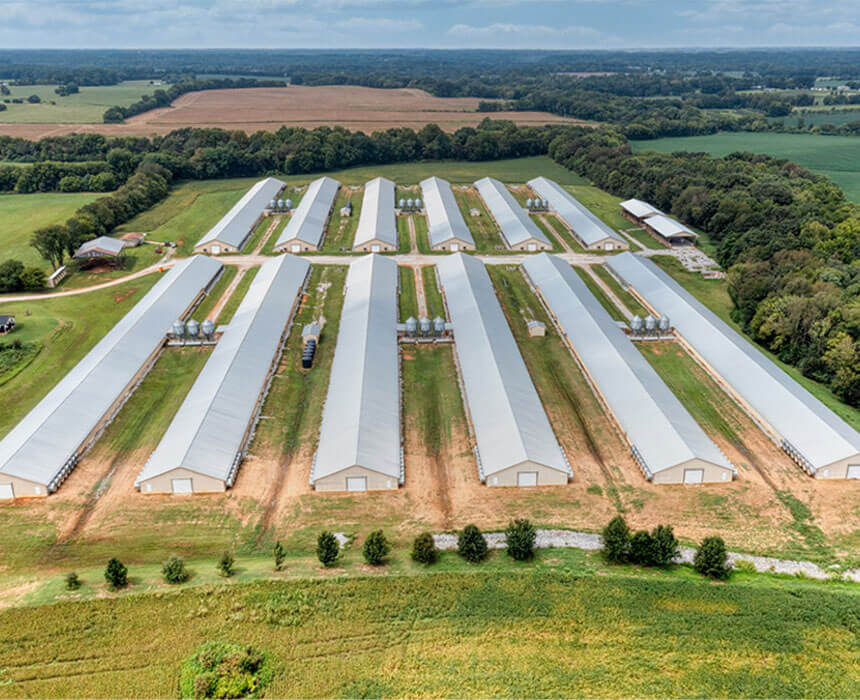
(360, 443)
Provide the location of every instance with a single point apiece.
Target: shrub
(224, 670)
(616, 540)
(116, 574)
(664, 545)
(73, 582)
(328, 549)
(641, 549)
(471, 544)
(424, 549)
(280, 554)
(710, 559)
(174, 570)
(376, 548)
(520, 536)
(225, 565)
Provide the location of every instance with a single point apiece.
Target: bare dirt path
(267, 235)
(419, 292)
(216, 310)
(608, 292)
(559, 237)
(413, 236)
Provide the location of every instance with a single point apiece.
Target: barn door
(694, 476)
(182, 486)
(6, 491)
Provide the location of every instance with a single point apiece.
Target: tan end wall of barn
(446, 246)
(616, 244)
(713, 473)
(524, 246)
(383, 246)
(837, 470)
(376, 481)
(287, 247)
(546, 475)
(200, 483)
(22, 488)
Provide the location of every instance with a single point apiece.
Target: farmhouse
(234, 228)
(100, 249)
(668, 444)
(515, 442)
(447, 228)
(815, 437)
(206, 441)
(669, 231)
(377, 229)
(591, 231)
(360, 444)
(40, 452)
(306, 228)
(518, 230)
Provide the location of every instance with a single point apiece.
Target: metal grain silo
(411, 325)
(208, 329)
(401, 203)
(529, 203)
(664, 323)
(178, 330)
(636, 323)
(650, 323)
(424, 325)
(192, 328)
(288, 204)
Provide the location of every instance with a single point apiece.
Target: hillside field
(837, 157)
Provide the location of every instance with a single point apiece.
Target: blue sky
(547, 24)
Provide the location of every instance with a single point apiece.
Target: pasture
(837, 157)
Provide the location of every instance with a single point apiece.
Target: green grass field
(214, 294)
(404, 244)
(626, 297)
(837, 157)
(487, 237)
(408, 300)
(435, 306)
(422, 239)
(341, 229)
(611, 309)
(229, 308)
(85, 107)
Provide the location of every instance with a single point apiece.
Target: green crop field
(22, 214)
(837, 157)
(85, 107)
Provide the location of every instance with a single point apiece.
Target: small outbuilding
(100, 249)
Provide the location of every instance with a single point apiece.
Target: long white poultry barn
(234, 228)
(42, 450)
(669, 446)
(306, 227)
(206, 441)
(516, 445)
(447, 230)
(518, 230)
(594, 234)
(360, 444)
(815, 437)
(377, 230)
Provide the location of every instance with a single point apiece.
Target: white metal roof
(586, 225)
(445, 221)
(112, 245)
(235, 225)
(377, 214)
(509, 420)
(515, 224)
(361, 418)
(307, 223)
(207, 434)
(809, 427)
(639, 209)
(669, 228)
(655, 423)
(43, 446)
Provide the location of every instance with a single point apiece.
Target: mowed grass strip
(483, 227)
(549, 233)
(422, 235)
(611, 309)
(511, 634)
(435, 305)
(341, 229)
(404, 240)
(626, 297)
(561, 231)
(408, 299)
(205, 307)
(230, 306)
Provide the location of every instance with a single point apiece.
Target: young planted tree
(73, 582)
(226, 565)
(376, 548)
(520, 535)
(174, 570)
(471, 544)
(664, 545)
(280, 554)
(616, 540)
(328, 549)
(116, 574)
(424, 549)
(711, 560)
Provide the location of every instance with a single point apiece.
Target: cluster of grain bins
(515, 444)
(235, 227)
(360, 444)
(377, 228)
(669, 446)
(306, 228)
(810, 433)
(591, 231)
(666, 229)
(40, 452)
(447, 230)
(518, 230)
(206, 441)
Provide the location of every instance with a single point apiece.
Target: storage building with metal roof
(43, 448)
(306, 228)
(206, 441)
(591, 231)
(515, 443)
(636, 210)
(235, 227)
(101, 247)
(360, 443)
(447, 228)
(518, 230)
(377, 229)
(815, 437)
(668, 230)
(668, 445)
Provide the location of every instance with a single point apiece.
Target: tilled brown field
(268, 109)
